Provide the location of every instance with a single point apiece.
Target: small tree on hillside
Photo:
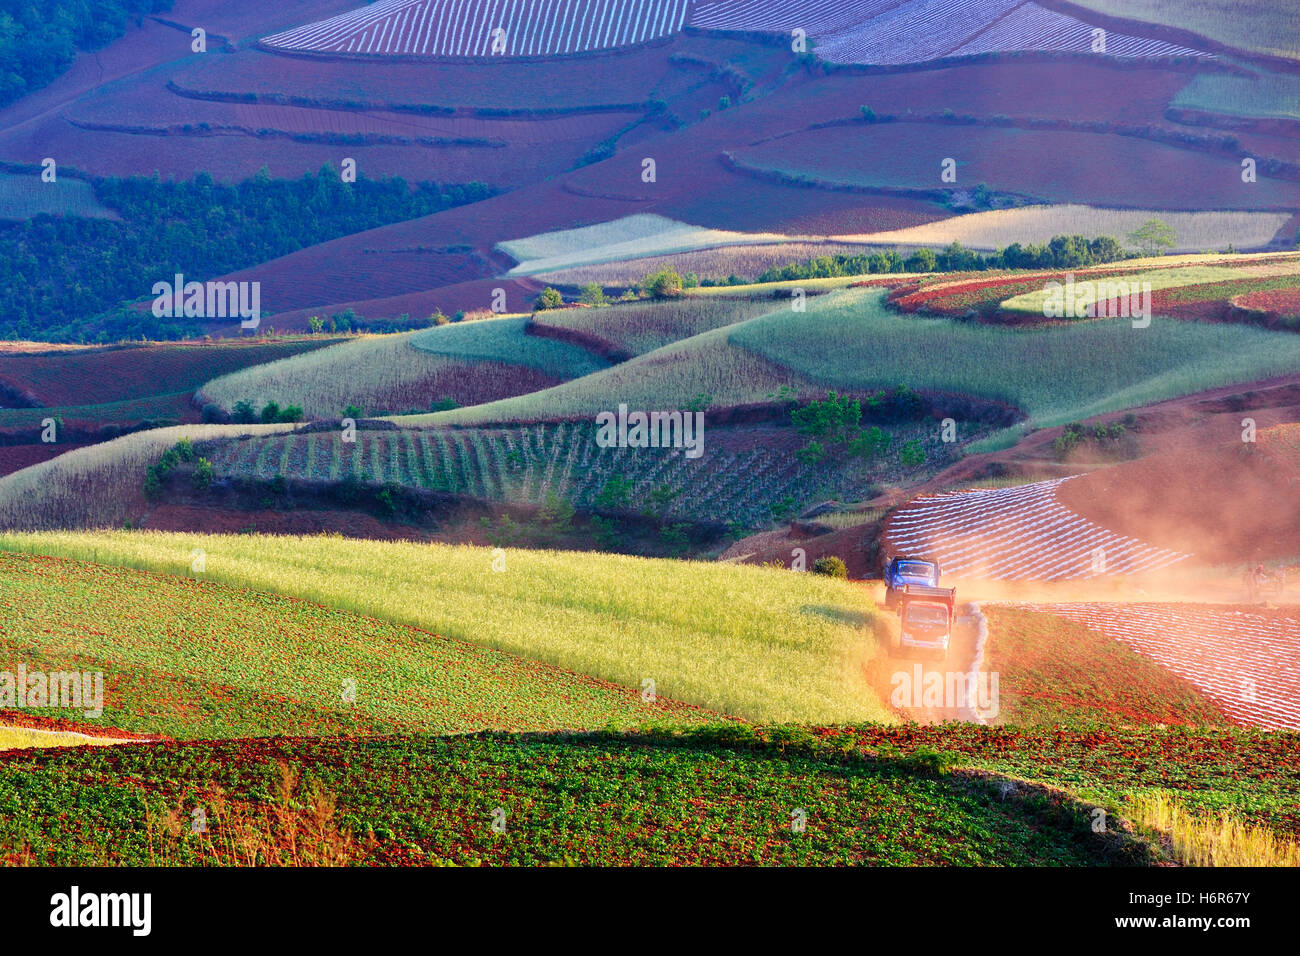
(1153, 236)
(549, 299)
(664, 284)
(593, 294)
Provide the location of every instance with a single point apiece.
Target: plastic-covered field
(487, 28)
(889, 32)
(1247, 662)
(1017, 534)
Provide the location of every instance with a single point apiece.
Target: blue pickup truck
(900, 572)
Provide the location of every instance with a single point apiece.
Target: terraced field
(1017, 534)
(256, 664)
(741, 475)
(640, 327)
(890, 32)
(1246, 661)
(1055, 166)
(467, 363)
(450, 28)
(851, 340)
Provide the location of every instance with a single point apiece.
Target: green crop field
(653, 799)
(704, 371)
(739, 477)
(753, 642)
(1160, 280)
(192, 659)
(1264, 95)
(1055, 374)
(26, 196)
(506, 340)
(1257, 27)
(97, 485)
(639, 327)
(466, 363)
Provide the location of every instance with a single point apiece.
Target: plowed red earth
(1229, 501)
(1281, 301)
(16, 457)
(1247, 661)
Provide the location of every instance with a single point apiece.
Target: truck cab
(925, 618)
(902, 572)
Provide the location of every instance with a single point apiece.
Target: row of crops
(731, 482)
(889, 32)
(486, 28)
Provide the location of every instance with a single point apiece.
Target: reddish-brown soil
(1280, 301)
(16, 457)
(1219, 498)
(65, 377)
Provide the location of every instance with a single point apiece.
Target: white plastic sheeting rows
(1017, 534)
(485, 28)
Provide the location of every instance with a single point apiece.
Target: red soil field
(1280, 301)
(17, 457)
(1225, 500)
(459, 297)
(1052, 165)
(123, 373)
(593, 82)
(458, 148)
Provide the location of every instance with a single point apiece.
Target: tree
(549, 299)
(1153, 236)
(868, 113)
(615, 495)
(834, 421)
(830, 566)
(664, 284)
(592, 293)
(923, 260)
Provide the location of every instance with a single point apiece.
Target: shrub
(548, 299)
(386, 500)
(830, 566)
(615, 495)
(203, 474)
(270, 413)
(592, 293)
(912, 454)
(214, 414)
(290, 413)
(923, 260)
(243, 413)
(664, 284)
(353, 412)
